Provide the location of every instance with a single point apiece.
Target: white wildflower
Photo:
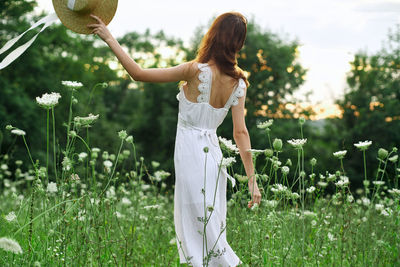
(265, 124)
(378, 182)
(256, 151)
(86, 121)
(122, 134)
(322, 184)
(394, 158)
(52, 187)
(227, 161)
(271, 203)
(11, 216)
(108, 164)
(294, 195)
(297, 143)
(340, 154)
(82, 156)
(365, 201)
(10, 245)
(350, 198)
(310, 189)
(155, 164)
(331, 237)
(126, 201)
(285, 170)
(72, 84)
(145, 187)
(394, 192)
(67, 164)
(313, 222)
(152, 207)
(119, 215)
(48, 100)
(279, 188)
(18, 132)
(386, 212)
(172, 241)
(344, 180)
(379, 207)
(363, 145)
(161, 175)
(229, 144)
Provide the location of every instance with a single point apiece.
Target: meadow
(110, 208)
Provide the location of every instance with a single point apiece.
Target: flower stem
(54, 143)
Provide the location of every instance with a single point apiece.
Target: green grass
(120, 213)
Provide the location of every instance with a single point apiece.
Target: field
(102, 208)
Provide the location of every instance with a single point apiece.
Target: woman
(212, 84)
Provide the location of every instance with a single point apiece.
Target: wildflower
(82, 156)
(322, 184)
(227, 161)
(155, 164)
(289, 162)
(271, 203)
(313, 161)
(18, 132)
(118, 215)
(48, 100)
(378, 182)
(86, 121)
(344, 180)
(331, 177)
(386, 212)
(279, 188)
(10, 245)
(122, 134)
(241, 178)
(313, 222)
(229, 145)
(340, 154)
(268, 153)
(10, 216)
(265, 124)
(350, 198)
(277, 144)
(210, 208)
(172, 241)
(285, 170)
(156, 206)
(256, 151)
(363, 145)
(379, 207)
(52, 187)
(297, 143)
(72, 134)
(302, 120)
(205, 149)
(394, 158)
(161, 175)
(129, 139)
(310, 189)
(9, 127)
(96, 149)
(74, 177)
(72, 84)
(331, 237)
(4, 167)
(394, 191)
(365, 201)
(294, 195)
(126, 201)
(108, 164)
(145, 187)
(67, 164)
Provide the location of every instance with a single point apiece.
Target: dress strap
(205, 82)
(237, 92)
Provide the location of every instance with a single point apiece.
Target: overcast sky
(330, 32)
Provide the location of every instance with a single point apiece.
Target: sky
(329, 32)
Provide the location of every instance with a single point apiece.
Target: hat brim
(78, 22)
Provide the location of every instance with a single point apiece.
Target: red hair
(223, 41)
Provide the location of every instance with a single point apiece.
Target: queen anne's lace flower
(10, 245)
(52, 187)
(72, 84)
(227, 161)
(48, 100)
(363, 145)
(229, 144)
(18, 132)
(297, 143)
(10, 216)
(265, 124)
(340, 154)
(344, 180)
(86, 121)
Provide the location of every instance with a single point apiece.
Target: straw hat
(75, 14)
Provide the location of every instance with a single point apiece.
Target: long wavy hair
(222, 43)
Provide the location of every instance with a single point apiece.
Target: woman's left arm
(172, 74)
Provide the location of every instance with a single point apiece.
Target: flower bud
(302, 120)
(313, 161)
(268, 153)
(277, 144)
(129, 139)
(382, 153)
(205, 149)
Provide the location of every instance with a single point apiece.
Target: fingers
(93, 25)
(96, 18)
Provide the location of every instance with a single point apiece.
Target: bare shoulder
(191, 70)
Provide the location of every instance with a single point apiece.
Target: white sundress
(196, 129)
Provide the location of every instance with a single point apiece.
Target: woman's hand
(255, 194)
(100, 29)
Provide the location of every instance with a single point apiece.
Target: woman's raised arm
(172, 74)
